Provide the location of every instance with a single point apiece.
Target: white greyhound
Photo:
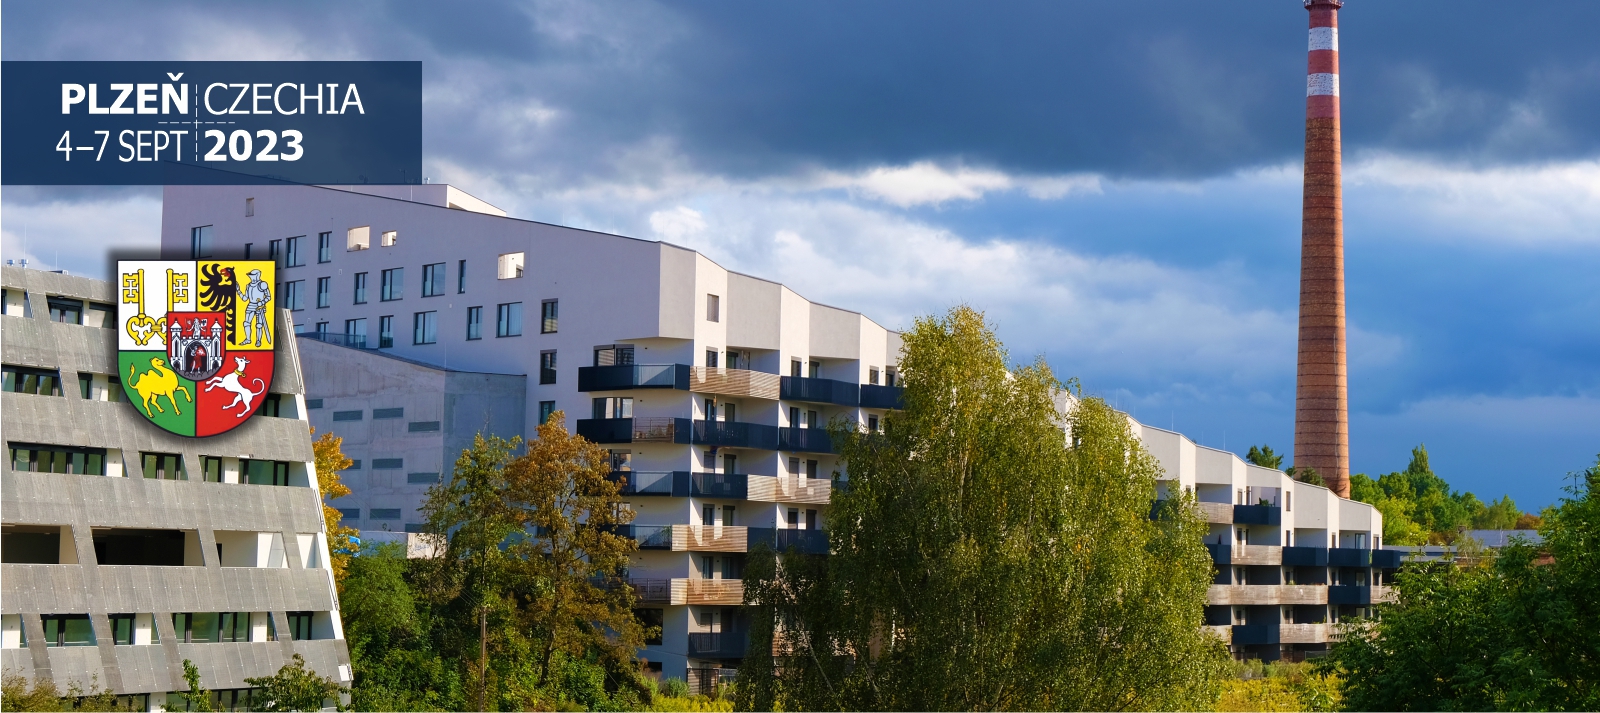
(230, 382)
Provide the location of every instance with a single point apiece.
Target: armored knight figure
(256, 295)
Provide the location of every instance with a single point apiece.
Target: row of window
(425, 325)
(41, 458)
(61, 630)
(66, 310)
(92, 387)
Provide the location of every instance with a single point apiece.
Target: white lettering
(348, 93)
(177, 143)
(210, 87)
(139, 144)
(94, 101)
(124, 91)
(146, 98)
(256, 97)
(175, 95)
(243, 90)
(275, 103)
(122, 138)
(333, 97)
(304, 97)
(70, 94)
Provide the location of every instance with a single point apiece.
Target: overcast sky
(1116, 184)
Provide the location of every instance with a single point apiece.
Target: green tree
(396, 665)
(982, 559)
(1264, 457)
(1507, 632)
(197, 698)
(329, 460)
(293, 688)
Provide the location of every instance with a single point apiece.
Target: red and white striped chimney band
(1322, 85)
(1324, 38)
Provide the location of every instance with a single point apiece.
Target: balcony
(632, 430)
(810, 542)
(727, 434)
(719, 645)
(1303, 634)
(1257, 554)
(734, 382)
(1386, 559)
(1222, 632)
(822, 391)
(1217, 513)
(1350, 594)
(640, 482)
(1221, 555)
(1349, 557)
(649, 537)
(790, 489)
(1248, 634)
(634, 376)
(1384, 594)
(680, 591)
(682, 484)
(1305, 556)
(885, 397)
(1258, 515)
(1265, 594)
(805, 440)
(353, 341)
(735, 486)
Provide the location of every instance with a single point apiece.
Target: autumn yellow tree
(329, 461)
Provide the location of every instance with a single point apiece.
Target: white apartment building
(711, 388)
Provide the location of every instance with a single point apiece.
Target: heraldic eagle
(219, 292)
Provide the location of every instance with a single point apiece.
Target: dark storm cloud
(1137, 88)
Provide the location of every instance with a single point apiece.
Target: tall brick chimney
(1321, 410)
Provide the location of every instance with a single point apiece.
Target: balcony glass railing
(640, 482)
(1246, 634)
(1257, 514)
(633, 376)
(683, 484)
(354, 341)
(806, 440)
(811, 542)
(734, 435)
(721, 645)
(822, 391)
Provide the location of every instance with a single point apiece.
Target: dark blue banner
(155, 123)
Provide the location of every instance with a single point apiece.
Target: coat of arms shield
(195, 341)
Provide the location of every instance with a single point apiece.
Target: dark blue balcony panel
(719, 485)
(721, 645)
(806, 440)
(874, 396)
(640, 482)
(1355, 594)
(1349, 557)
(1221, 554)
(732, 435)
(1386, 559)
(606, 430)
(633, 376)
(822, 391)
(810, 542)
(649, 537)
(1255, 634)
(1257, 515)
(1305, 556)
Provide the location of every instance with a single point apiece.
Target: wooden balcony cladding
(720, 592)
(1252, 594)
(1257, 554)
(712, 538)
(734, 382)
(1217, 513)
(811, 491)
(1304, 633)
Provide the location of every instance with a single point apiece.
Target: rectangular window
(324, 247)
(872, 376)
(233, 627)
(355, 333)
(67, 630)
(312, 404)
(510, 266)
(211, 469)
(711, 358)
(386, 331)
(390, 238)
(347, 415)
(264, 472)
(200, 242)
(889, 376)
(361, 288)
(275, 251)
(422, 478)
(393, 284)
(388, 463)
(379, 414)
(422, 426)
(248, 248)
(461, 277)
(713, 308)
(65, 311)
(814, 370)
(358, 238)
(794, 466)
(433, 279)
(249, 207)
(474, 323)
(549, 312)
(350, 513)
(294, 294)
(324, 287)
(85, 385)
(35, 458)
(872, 424)
(424, 328)
(613, 355)
(39, 382)
(163, 466)
(121, 629)
(272, 406)
(101, 315)
(545, 409)
(300, 624)
(547, 367)
(613, 407)
(508, 320)
(291, 253)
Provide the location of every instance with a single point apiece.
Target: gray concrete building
(127, 549)
(404, 423)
